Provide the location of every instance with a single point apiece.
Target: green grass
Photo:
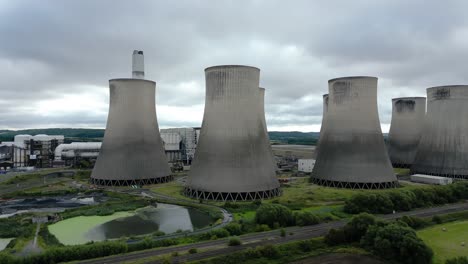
(245, 216)
(446, 244)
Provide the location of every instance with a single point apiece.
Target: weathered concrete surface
(262, 115)
(443, 149)
(132, 147)
(352, 148)
(233, 153)
(324, 122)
(408, 115)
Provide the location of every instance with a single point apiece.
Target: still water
(166, 218)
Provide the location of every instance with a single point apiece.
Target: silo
(405, 130)
(232, 161)
(351, 152)
(324, 123)
(443, 148)
(132, 152)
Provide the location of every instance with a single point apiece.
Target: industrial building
(71, 154)
(429, 179)
(33, 151)
(443, 148)
(405, 130)
(351, 151)
(180, 143)
(305, 165)
(132, 150)
(233, 160)
(324, 122)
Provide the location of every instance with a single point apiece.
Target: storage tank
(443, 148)
(351, 151)
(324, 122)
(232, 161)
(132, 152)
(408, 115)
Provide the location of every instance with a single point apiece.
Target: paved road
(219, 247)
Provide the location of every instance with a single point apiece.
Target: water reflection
(167, 218)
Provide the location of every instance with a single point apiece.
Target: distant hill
(85, 134)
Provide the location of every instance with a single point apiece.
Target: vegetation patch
(446, 240)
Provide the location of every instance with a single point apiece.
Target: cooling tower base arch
(401, 165)
(231, 196)
(138, 182)
(356, 185)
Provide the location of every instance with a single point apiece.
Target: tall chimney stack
(138, 65)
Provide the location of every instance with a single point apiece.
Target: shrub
(270, 213)
(282, 232)
(459, 260)
(397, 243)
(369, 203)
(234, 229)
(306, 218)
(335, 237)
(193, 251)
(262, 228)
(234, 241)
(269, 251)
(414, 222)
(437, 219)
(357, 227)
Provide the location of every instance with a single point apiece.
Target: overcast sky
(56, 56)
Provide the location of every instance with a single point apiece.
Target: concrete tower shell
(132, 152)
(351, 151)
(262, 116)
(324, 122)
(233, 160)
(443, 148)
(408, 115)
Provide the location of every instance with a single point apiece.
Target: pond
(166, 218)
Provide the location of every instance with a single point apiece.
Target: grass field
(446, 244)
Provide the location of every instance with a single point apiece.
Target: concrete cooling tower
(324, 122)
(262, 115)
(233, 160)
(351, 151)
(132, 152)
(443, 148)
(405, 130)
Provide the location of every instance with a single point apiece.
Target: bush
(282, 232)
(234, 241)
(234, 229)
(270, 213)
(306, 218)
(404, 200)
(357, 227)
(437, 219)
(396, 243)
(193, 251)
(414, 222)
(459, 260)
(335, 237)
(269, 251)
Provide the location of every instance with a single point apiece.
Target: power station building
(233, 160)
(443, 148)
(132, 150)
(351, 151)
(408, 115)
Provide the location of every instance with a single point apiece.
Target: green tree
(270, 213)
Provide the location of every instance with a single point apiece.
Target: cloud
(56, 57)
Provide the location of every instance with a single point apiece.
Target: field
(446, 244)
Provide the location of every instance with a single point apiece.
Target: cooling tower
(443, 148)
(408, 115)
(262, 115)
(132, 151)
(324, 122)
(351, 151)
(233, 160)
